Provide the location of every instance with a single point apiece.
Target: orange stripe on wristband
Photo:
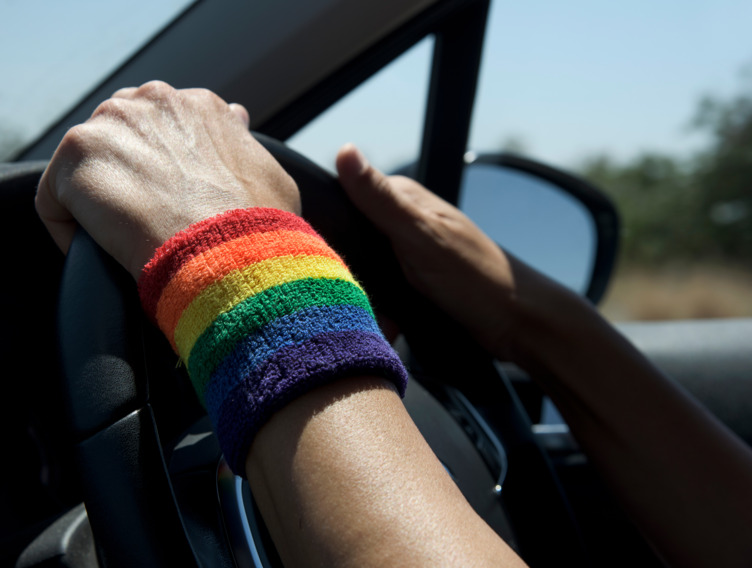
(205, 235)
(239, 285)
(201, 271)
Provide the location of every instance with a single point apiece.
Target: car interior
(101, 469)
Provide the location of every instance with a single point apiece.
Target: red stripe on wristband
(204, 235)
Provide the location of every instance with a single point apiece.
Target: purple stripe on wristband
(292, 371)
(299, 327)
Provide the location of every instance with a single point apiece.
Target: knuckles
(156, 90)
(205, 98)
(77, 141)
(113, 108)
(124, 103)
(203, 94)
(165, 93)
(165, 96)
(124, 93)
(107, 135)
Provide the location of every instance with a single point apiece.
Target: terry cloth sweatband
(261, 310)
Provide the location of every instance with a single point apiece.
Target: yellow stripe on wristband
(241, 284)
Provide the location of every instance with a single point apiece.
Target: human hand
(442, 252)
(151, 161)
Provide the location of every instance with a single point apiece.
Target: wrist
(261, 310)
(545, 320)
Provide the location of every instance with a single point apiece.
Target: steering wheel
(114, 363)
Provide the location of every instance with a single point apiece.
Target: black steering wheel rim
(107, 375)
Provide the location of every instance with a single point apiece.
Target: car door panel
(712, 359)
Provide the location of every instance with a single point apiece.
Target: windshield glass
(54, 53)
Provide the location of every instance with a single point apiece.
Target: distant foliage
(688, 209)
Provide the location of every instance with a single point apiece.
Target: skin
(344, 478)
(685, 479)
(329, 471)
(342, 475)
(149, 162)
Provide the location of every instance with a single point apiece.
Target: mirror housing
(491, 183)
(573, 225)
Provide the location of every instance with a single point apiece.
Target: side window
(48, 63)
(383, 116)
(628, 96)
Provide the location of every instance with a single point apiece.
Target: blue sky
(621, 76)
(568, 79)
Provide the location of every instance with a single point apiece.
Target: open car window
(383, 116)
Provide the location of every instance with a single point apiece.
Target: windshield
(54, 53)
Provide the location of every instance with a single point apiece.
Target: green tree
(688, 209)
(724, 172)
(656, 197)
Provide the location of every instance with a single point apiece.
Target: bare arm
(684, 478)
(344, 478)
(342, 475)
(682, 475)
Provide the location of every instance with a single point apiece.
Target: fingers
(371, 191)
(117, 170)
(124, 93)
(242, 113)
(132, 92)
(56, 218)
(350, 161)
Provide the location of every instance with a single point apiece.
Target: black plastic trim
(66, 543)
(454, 78)
(126, 458)
(308, 106)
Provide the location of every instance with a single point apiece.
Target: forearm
(263, 314)
(274, 331)
(344, 478)
(685, 479)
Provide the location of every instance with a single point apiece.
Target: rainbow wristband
(261, 310)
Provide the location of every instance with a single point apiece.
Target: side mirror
(552, 220)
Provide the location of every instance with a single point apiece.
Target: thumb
(369, 189)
